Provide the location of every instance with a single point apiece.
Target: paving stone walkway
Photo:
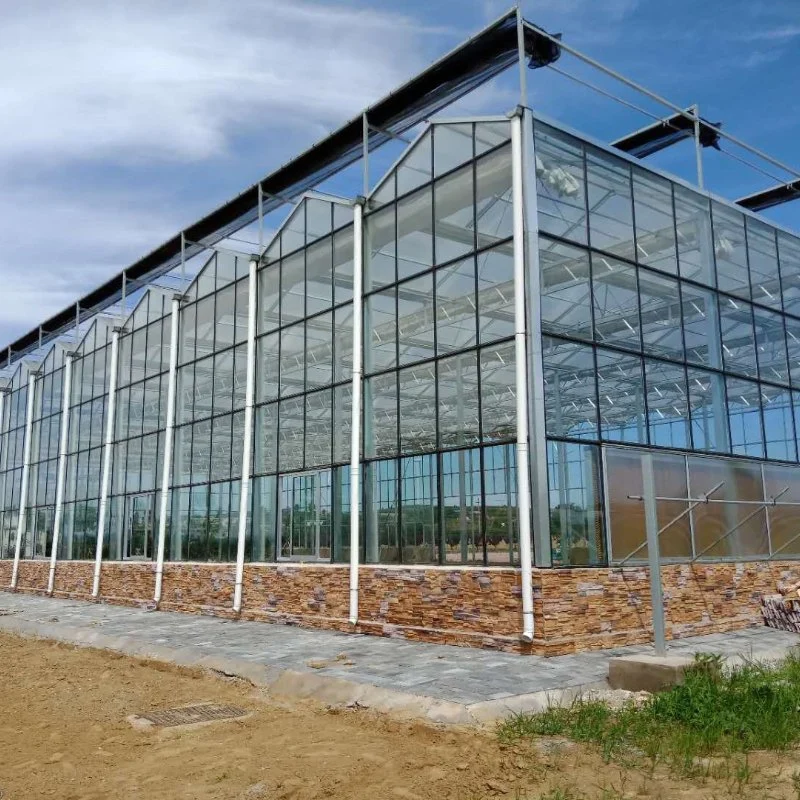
(456, 675)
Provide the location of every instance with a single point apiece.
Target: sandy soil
(64, 734)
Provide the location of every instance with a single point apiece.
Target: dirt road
(64, 734)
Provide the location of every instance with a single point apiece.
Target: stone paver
(440, 674)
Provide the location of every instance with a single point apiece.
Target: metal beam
(665, 133)
(774, 196)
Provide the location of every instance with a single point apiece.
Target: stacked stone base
(781, 613)
(574, 609)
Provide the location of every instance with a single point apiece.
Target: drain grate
(191, 715)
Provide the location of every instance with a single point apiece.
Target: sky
(122, 123)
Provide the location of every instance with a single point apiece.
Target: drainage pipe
(247, 451)
(26, 468)
(520, 352)
(355, 426)
(108, 448)
(62, 473)
(169, 425)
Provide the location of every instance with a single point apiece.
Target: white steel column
(520, 351)
(355, 425)
(62, 471)
(247, 451)
(169, 427)
(108, 447)
(26, 468)
(536, 400)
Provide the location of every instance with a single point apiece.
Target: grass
(715, 712)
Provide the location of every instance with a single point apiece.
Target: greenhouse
(441, 409)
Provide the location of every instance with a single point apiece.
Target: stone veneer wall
(575, 609)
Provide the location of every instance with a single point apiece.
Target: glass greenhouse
(214, 423)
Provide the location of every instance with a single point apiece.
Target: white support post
(247, 465)
(62, 472)
(520, 351)
(108, 447)
(169, 427)
(355, 426)
(536, 400)
(26, 468)
(698, 146)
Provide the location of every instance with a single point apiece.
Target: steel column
(26, 467)
(247, 460)
(355, 425)
(521, 358)
(62, 472)
(108, 447)
(169, 435)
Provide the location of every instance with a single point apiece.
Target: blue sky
(123, 123)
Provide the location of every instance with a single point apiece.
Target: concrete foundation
(647, 673)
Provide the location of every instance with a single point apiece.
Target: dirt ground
(64, 734)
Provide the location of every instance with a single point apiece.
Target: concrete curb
(290, 683)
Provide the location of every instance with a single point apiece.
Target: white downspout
(169, 427)
(249, 400)
(26, 465)
(108, 447)
(62, 472)
(520, 352)
(355, 426)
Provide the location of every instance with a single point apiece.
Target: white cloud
(90, 89)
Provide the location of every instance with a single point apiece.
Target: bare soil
(64, 734)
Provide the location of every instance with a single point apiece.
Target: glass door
(40, 529)
(140, 526)
(305, 516)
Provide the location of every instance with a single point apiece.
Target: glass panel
(784, 521)
(570, 389)
(566, 306)
(778, 423)
(498, 398)
(269, 298)
(560, 184)
(495, 293)
(454, 216)
(380, 415)
(452, 146)
(616, 302)
(667, 404)
(292, 359)
(610, 204)
(461, 507)
(770, 346)
(789, 253)
(419, 532)
(708, 409)
(459, 413)
(621, 394)
(762, 254)
(417, 393)
(343, 265)
(319, 271)
(455, 307)
(744, 408)
(662, 326)
(291, 427)
(343, 343)
(730, 251)
(723, 529)
(701, 326)
(292, 288)
(738, 337)
(793, 347)
(342, 422)
(319, 413)
(380, 326)
(382, 248)
(500, 505)
(576, 506)
(319, 351)
(268, 366)
(414, 229)
(415, 321)
(381, 513)
(493, 193)
(264, 519)
(416, 167)
(266, 455)
(693, 223)
(655, 222)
